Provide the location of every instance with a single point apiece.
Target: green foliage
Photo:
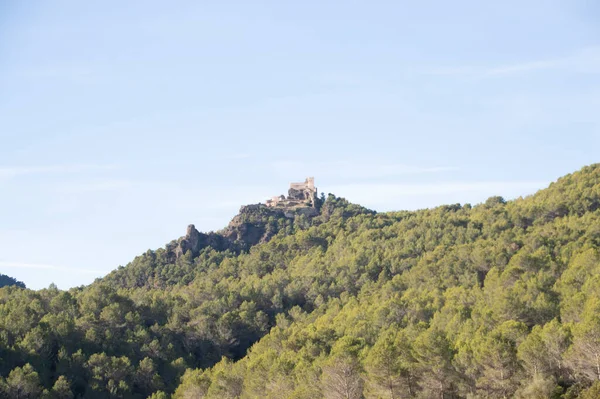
(62, 389)
(391, 366)
(22, 382)
(592, 392)
(6, 281)
(496, 300)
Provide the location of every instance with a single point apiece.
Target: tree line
(497, 300)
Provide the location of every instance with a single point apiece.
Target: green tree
(110, 374)
(146, 378)
(23, 382)
(584, 354)
(496, 356)
(391, 366)
(592, 392)
(342, 373)
(161, 395)
(539, 388)
(194, 385)
(434, 354)
(62, 389)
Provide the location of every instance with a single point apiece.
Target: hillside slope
(496, 300)
(181, 260)
(6, 281)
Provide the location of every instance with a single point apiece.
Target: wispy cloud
(42, 266)
(95, 186)
(524, 67)
(585, 60)
(9, 172)
(353, 170)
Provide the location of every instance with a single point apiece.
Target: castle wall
(309, 183)
(300, 193)
(298, 186)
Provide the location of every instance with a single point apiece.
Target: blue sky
(123, 122)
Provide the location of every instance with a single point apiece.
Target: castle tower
(298, 194)
(310, 183)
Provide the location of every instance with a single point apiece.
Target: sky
(123, 122)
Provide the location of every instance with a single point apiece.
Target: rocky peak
(191, 231)
(189, 241)
(195, 241)
(254, 224)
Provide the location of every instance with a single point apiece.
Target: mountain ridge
(254, 224)
(494, 300)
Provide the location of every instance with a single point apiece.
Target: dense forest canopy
(497, 300)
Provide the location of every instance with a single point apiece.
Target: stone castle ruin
(299, 194)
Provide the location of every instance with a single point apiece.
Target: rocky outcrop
(254, 224)
(189, 242)
(298, 195)
(195, 241)
(247, 234)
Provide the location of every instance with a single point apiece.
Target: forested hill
(5, 281)
(181, 260)
(497, 300)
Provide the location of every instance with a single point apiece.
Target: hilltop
(6, 281)
(181, 259)
(495, 300)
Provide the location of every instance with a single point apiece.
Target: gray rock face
(254, 224)
(248, 233)
(308, 212)
(195, 241)
(189, 242)
(298, 195)
(193, 237)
